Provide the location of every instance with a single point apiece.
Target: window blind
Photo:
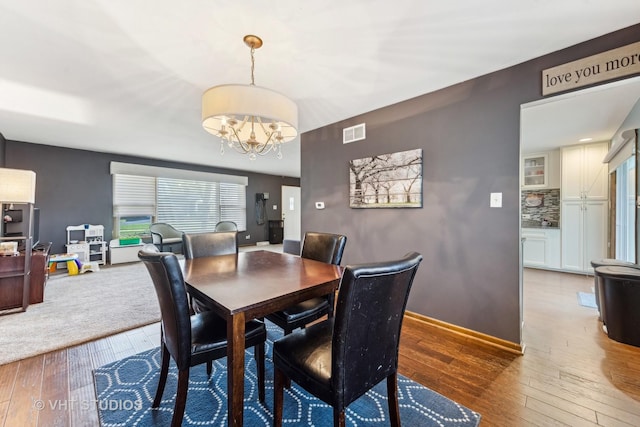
(188, 205)
(233, 204)
(133, 195)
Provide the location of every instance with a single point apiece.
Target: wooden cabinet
(535, 170)
(541, 170)
(584, 234)
(11, 278)
(584, 176)
(541, 248)
(585, 206)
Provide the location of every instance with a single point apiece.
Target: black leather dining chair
(323, 247)
(191, 339)
(340, 359)
(196, 245)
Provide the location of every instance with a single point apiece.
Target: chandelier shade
(251, 119)
(220, 104)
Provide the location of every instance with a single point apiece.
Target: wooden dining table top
(257, 282)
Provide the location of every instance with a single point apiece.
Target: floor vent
(353, 133)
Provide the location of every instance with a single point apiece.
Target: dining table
(249, 285)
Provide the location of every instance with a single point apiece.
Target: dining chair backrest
(368, 318)
(196, 245)
(323, 247)
(290, 246)
(168, 282)
(226, 226)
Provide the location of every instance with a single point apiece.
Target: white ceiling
(126, 76)
(597, 113)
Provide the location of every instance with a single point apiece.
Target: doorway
(600, 112)
(291, 212)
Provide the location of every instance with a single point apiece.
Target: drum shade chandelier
(251, 119)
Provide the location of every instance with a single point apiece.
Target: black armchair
(323, 247)
(164, 234)
(191, 340)
(340, 359)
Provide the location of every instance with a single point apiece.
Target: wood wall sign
(620, 62)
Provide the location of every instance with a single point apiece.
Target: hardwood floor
(571, 373)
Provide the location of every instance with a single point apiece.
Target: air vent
(353, 133)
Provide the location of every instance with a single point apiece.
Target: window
(134, 226)
(188, 204)
(193, 206)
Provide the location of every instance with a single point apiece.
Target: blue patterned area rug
(125, 391)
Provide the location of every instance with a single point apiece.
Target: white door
(291, 212)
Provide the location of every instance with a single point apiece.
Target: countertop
(536, 224)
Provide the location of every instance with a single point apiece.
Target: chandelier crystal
(250, 119)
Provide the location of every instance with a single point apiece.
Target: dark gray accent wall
(469, 134)
(75, 187)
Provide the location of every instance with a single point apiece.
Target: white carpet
(81, 308)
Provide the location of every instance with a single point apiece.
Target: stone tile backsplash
(549, 209)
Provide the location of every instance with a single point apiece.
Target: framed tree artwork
(386, 181)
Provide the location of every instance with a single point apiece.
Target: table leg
(235, 369)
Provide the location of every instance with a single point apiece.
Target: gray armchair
(164, 234)
(226, 226)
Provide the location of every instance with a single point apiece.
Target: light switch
(275, 207)
(496, 200)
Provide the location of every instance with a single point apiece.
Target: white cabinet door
(595, 232)
(572, 173)
(584, 234)
(553, 249)
(572, 236)
(595, 173)
(541, 248)
(535, 169)
(584, 176)
(534, 248)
